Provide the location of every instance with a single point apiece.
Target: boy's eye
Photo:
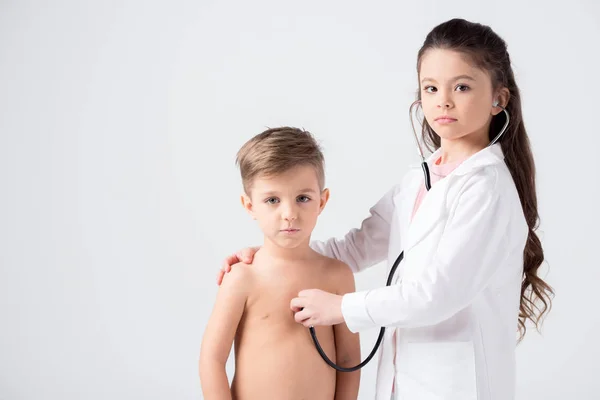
(430, 89)
(462, 88)
(272, 200)
(303, 199)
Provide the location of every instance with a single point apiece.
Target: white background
(119, 124)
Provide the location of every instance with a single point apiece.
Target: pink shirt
(437, 172)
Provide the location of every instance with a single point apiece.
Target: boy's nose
(289, 217)
(289, 212)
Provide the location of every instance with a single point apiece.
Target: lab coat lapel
(433, 207)
(406, 202)
(428, 215)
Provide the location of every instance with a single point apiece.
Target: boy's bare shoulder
(240, 277)
(339, 272)
(334, 264)
(338, 266)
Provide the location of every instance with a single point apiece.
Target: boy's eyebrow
(270, 193)
(275, 193)
(467, 77)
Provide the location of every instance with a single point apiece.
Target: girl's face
(457, 97)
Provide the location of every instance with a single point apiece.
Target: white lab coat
(455, 300)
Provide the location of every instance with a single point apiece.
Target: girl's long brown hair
(488, 51)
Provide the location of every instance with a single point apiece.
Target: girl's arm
(368, 245)
(474, 245)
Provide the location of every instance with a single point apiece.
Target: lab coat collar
(487, 156)
(425, 220)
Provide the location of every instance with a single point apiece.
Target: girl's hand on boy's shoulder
(245, 255)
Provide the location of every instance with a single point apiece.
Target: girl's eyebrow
(456, 78)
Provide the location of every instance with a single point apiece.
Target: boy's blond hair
(278, 150)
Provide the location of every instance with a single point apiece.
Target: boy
(283, 179)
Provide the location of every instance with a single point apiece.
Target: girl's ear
(247, 204)
(501, 99)
(324, 199)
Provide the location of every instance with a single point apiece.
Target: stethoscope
(427, 182)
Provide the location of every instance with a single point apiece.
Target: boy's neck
(298, 253)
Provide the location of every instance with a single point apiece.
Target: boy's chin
(289, 242)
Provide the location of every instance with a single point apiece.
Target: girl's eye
(303, 199)
(430, 89)
(462, 88)
(272, 200)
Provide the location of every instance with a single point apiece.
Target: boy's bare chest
(274, 292)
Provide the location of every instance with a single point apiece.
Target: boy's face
(287, 205)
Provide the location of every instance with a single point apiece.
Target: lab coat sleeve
(473, 246)
(368, 245)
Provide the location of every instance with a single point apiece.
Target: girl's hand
(316, 307)
(246, 256)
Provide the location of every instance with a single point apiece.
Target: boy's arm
(220, 333)
(347, 345)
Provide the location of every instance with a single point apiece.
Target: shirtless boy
(283, 179)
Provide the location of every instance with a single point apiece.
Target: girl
(469, 275)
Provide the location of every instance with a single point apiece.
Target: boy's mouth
(290, 230)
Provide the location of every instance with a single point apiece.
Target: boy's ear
(324, 199)
(247, 204)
